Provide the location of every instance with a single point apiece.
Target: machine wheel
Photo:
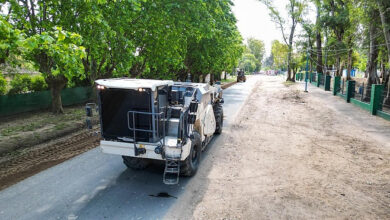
(218, 113)
(190, 165)
(135, 163)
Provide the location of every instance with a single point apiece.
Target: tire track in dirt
(33, 161)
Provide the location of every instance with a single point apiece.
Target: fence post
(350, 90)
(336, 84)
(318, 79)
(327, 83)
(376, 96)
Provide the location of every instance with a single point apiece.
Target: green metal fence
(12, 104)
(346, 90)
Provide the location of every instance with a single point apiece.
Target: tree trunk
(289, 55)
(338, 64)
(349, 65)
(372, 67)
(294, 73)
(372, 60)
(326, 53)
(383, 71)
(319, 44)
(212, 79)
(349, 62)
(56, 85)
(385, 20)
(341, 68)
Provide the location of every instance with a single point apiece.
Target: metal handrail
(182, 128)
(153, 131)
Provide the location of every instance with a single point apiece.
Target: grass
(288, 83)
(41, 120)
(60, 126)
(20, 128)
(229, 80)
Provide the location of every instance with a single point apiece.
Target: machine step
(172, 171)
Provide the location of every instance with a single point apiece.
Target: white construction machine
(145, 120)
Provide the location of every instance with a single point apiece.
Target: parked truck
(145, 120)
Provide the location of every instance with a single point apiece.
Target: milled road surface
(94, 185)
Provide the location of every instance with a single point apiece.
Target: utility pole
(307, 69)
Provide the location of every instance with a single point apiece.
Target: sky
(254, 21)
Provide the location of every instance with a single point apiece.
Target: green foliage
(257, 48)
(60, 51)
(20, 84)
(10, 40)
(162, 39)
(3, 85)
(279, 52)
(248, 62)
(38, 83)
(361, 62)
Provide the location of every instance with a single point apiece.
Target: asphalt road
(94, 185)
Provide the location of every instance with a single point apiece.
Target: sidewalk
(374, 126)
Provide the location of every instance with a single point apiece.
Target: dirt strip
(291, 155)
(25, 163)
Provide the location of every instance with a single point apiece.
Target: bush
(38, 83)
(20, 84)
(3, 85)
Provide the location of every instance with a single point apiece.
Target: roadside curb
(227, 85)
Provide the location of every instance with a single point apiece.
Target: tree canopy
(160, 39)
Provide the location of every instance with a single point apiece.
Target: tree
(319, 68)
(214, 44)
(10, 40)
(336, 17)
(161, 39)
(58, 56)
(384, 11)
(248, 62)
(308, 44)
(384, 7)
(257, 48)
(269, 61)
(295, 10)
(279, 53)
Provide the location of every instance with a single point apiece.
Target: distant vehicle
(241, 76)
(145, 120)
